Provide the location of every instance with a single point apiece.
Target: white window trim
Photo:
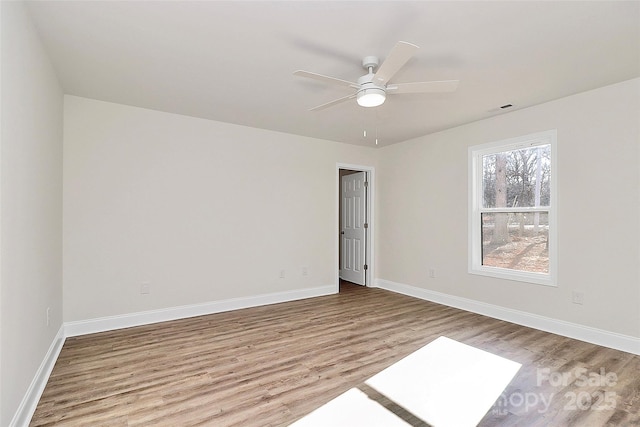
(475, 193)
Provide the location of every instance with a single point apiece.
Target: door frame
(370, 249)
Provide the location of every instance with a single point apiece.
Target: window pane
(518, 178)
(518, 241)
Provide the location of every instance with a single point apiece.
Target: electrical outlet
(305, 271)
(577, 297)
(145, 288)
(282, 274)
(432, 273)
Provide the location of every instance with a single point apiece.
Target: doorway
(354, 241)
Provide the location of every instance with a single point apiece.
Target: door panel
(353, 232)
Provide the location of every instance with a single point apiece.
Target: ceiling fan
(372, 88)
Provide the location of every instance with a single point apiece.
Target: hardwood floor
(271, 365)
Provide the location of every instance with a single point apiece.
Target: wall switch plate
(432, 273)
(282, 274)
(145, 288)
(48, 316)
(305, 271)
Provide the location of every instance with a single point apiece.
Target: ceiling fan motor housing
(370, 94)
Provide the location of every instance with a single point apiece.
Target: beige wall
(31, 207)
(203, 211)
(423, 208)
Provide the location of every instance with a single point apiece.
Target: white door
(354, 228)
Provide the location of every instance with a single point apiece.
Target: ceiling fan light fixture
(371, 97)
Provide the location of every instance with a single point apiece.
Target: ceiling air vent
(501, 108)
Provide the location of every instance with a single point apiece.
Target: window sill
(519, 276)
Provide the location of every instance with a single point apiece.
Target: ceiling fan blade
(334, 102)
(441, 86)
(398, 56)
(325, 79)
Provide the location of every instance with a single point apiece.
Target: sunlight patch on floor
(445, 383)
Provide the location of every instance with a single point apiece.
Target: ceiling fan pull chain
(376, 127)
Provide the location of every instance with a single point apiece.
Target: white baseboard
(584, 333)
(560, 327)
(29, 403)
(32, 396)
(90, 326)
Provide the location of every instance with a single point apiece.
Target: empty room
(320, 213)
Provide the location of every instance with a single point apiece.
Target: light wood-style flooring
(271, 365)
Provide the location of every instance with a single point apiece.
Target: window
(512, 209)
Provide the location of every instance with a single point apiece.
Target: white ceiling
(233, 61)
